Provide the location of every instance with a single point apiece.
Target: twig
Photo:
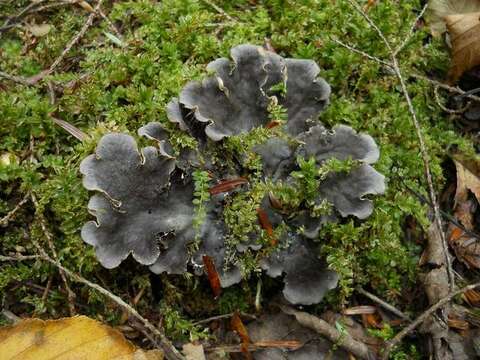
(410, 33)
(4, 221)
(21, 13)
(433, 82)
(17, 79)
(219, 10)
(224, 316)
(259, 345)
(18, 257)
(170, 352)
(10, 316)
(363, 53)
(423, 149)
(444, 108)
(383, 303)
(342, 339)
(75, 39)
(49, 237)
(420, 319)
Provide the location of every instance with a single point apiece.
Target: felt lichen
(276, 176)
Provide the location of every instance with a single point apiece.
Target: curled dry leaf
(466, 246)
(78, 337)
(464, 30)
(439, 9)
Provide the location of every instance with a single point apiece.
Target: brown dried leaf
(213, 276)
(464, 30)
(457, 324)
(237, 325)
(266, 225)
(77, 337)
(472, 297)
(439, 9)
(467, 179)
(227, 185)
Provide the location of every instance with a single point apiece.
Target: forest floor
(71, 72)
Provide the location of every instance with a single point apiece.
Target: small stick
(410, 33)
(224, 316)
(75, 39)
(48, 235)
(19, 257)
(17, 79)
(219, 10)
(342, 339)
(10, 316)
(420, 319)
(423, 148)
(4, 221)
(383, 303)
(363, 53)
(170, 352)
(259, 345)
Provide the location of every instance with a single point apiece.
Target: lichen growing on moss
(103, 88)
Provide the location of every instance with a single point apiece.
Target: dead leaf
(227, 185)
(237, 325)
(213, 276)
(266, 225)
(457, 324)
(39, 30)
(439, 9)
(77, 337)
(372, 320)
(466, 180)
(465, 245)
(472, 297)
(85, 5)
(464, 30)
(194, 351)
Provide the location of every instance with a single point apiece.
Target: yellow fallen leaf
(438, 9)
(464, 30)
(75, 338)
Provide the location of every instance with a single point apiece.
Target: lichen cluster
(257, 108)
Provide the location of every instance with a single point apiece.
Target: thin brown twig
(423, 149)
(411, 32)
(433, 82)
(342, 339)
(4, 221)
(19, 257)
(363, 53)
(444, 108)
(420, 319)
(23, 12)
(75, 39)
(14, 78)
(49, 237)
(383, 304)
(219, 10)
(170, 352)
(224, 316)
(259, 345)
